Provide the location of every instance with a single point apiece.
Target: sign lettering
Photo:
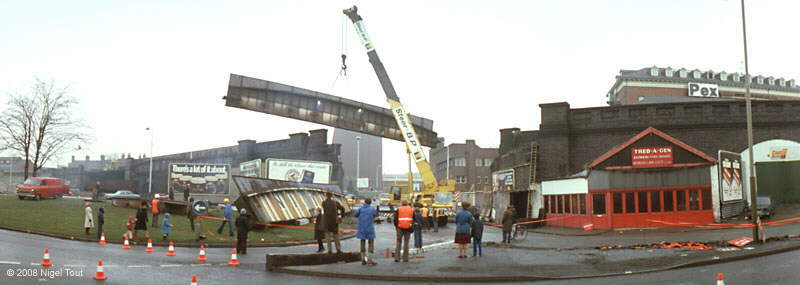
(651, 157)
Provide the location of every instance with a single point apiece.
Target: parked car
(122, 194)
(765, 207)
(41, 187)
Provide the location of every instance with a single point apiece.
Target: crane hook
(344, 65)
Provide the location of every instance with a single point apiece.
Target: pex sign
(703, 90)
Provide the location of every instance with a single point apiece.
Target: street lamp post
(150, 179)
(749, 110)
(447, 164)
(358, 159)
(10, 170)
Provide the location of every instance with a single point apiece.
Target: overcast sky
(473, 67)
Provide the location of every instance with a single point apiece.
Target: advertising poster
(730, 184)
(199, 178)
(503, 180)
(251, 168)
(304, 171)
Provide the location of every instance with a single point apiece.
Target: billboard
(251, 168)
(503, 180)
(362, 183)
(304, 171)
(730, 176)
(650, 157)
(199, 178)
(784, 153)
(703, 90)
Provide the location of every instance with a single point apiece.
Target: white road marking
(10, 262)
(171, 265)
(35, 264)
(74, 265)
(139, 266)
(201, 264)
(110, 266)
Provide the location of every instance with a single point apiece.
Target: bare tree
(40, 125)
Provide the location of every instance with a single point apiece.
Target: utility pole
(749, 110)
(358, 160)
(150, 179)
(447, 172)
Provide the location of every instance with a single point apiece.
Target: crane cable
(343, 68)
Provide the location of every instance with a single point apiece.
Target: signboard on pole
(199, 178)
(651, 157)
(730, 176)
(251, 168)
(362, 183)
(305, 171)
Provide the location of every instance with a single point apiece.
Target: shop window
(630, 202)
(575, 205)
(668, 201)
(582, 202)
(567, 204)
(559, 204)
(617, 197)
(694, 200)
(599, 204)
(705, 196)
(642, 201)
(680, 198)
(547, 208)
(553, 207)
(655, 201)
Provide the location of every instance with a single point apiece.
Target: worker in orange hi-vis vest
(403, 220)
(425, 212)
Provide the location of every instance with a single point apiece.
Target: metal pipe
(749, 110)
(150, 179)
(358, 160)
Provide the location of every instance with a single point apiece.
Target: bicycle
(520, 232)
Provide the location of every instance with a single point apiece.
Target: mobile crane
(436, 194)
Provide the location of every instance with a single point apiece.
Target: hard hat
(242, 211)
(157, 196)
(226, 200)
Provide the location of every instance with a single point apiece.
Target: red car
(42, 187)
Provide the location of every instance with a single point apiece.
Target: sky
(473, 67)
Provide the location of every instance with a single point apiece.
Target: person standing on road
(509, 217)
(242, 228)
(141, 222)
(190, 214)
(425, 216)
(332, 218)
(166, 227)
(154, 210)
(319, 230)
(477, 234)
(366, 230)
(419, 221)
(228, 217)
(403, 223)
(463, 228)
(435, 219)
(100, 221)
(88, 221)
(129, 228)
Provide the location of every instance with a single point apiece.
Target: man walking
(403, 219)
(228, 217)
(366, 230)
(155, 211)
(509, 217)
(331, 220)
(190, 213)
(242, 228)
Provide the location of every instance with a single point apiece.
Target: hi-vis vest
(405, 216)
(424, 212)
(155, 206)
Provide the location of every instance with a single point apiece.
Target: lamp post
(10, 170)
(358, 160)
(447, 164)
(150, 179)
(749, 110)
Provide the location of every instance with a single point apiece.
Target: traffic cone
(46, 259)
(149, 248)
(171, 250)
(100, 275)
(126, 244)
(234, 261)
(387, 253)
(202, 256)
(103, 239)
(194, 279)
(720, 281)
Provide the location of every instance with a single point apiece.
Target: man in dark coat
(242, 228)
(100, 221)
(331, 218)
(509, 217)
(190, 213)
(141, 222)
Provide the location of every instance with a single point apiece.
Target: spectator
(319, 230)
(100, 221)
(190, 213)
(166, 227)
(154, 209)
(141, 222)
(88, 221)
(477, 235)
(129, 228)
(366, 230)
(403, 220)
(228, 217)
(509, 217)
(419, 221)
(425, 216)
(185, 192)
(435, 219)
(331, 217)
(242, 228)
(463, 227)
(96, 191)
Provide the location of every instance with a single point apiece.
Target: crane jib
(407, 129)
(364, 36)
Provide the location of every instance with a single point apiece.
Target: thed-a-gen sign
(703, 90)
(304, 171)
(649, 157)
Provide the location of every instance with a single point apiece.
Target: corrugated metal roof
(279, 201)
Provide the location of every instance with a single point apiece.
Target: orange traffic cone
(126, 244)
(46, 259)
(100, 275)
(234, 261)
(720, 281)
(194, 279)
(202, 256)
(149, 248)
(387, 253)
(103, 239)
(171, 250)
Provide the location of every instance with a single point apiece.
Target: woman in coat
(88, 222)
(166, 227)
(463, 228)
(509, 216)
(418, 225)
(319, 230)
(141, 222)
(366, 230)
